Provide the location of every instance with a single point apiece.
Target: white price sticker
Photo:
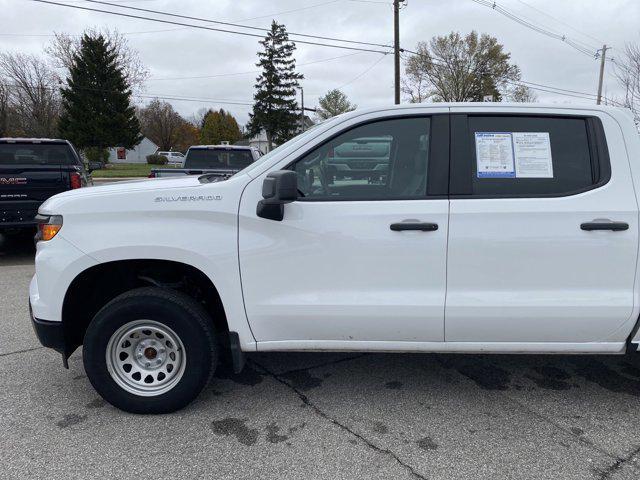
(494, 155)
(532, 151)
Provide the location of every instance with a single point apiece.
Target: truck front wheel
(150, 350)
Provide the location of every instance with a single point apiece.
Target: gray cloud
(182, 52)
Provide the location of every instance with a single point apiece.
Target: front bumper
(19, 214)
(50, 334)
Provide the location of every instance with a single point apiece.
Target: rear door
(543, 232)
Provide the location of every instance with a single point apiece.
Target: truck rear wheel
(150, 350)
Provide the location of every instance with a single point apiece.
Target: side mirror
(94, 166)
(278, 188)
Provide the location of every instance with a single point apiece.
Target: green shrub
(96, 154)
(156, 159)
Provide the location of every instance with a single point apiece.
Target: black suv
(31, 171)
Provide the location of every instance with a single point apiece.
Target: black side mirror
(278, 188)
(94, 166)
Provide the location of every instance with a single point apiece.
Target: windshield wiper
(215, 176)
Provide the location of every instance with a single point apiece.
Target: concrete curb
(98, 181)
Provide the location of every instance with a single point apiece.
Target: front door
(525, 265)
(361, 255)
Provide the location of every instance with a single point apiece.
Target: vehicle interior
(403, 152)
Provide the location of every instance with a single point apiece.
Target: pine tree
(274, 110)
(97, 109)
(334, 103)
(218, 126)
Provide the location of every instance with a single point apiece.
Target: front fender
(58, 262)
(221, 269)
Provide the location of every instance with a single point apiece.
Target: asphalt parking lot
(320, 415)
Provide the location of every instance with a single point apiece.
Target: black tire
(184, 316)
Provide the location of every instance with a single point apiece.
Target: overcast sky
(171, 52)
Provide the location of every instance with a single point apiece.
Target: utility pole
(301, 110)
(396, 48)
(602, 59)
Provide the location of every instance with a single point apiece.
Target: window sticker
(532, 151)
(494, 155)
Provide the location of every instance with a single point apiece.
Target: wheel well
(96, 286)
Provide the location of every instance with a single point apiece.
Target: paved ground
(321, 415)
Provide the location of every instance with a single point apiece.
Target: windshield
(218, 158)
(308, 133)
(36, 154)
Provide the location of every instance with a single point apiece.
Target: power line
(560, 21)
(289, 11)
(364, 72)
(558, 88)
(162, 96)
(544, 31)
(272, 15)
(199, 77)
(548, 90)
(181, 98)
(201, 27)
(230, 24)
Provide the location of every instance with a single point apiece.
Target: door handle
(613, 226)
(420, 226)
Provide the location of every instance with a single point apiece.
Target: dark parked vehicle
(362, 158)
(223, 160)
(31, 171)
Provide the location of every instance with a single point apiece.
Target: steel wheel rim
(145, 358)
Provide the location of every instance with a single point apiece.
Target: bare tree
(64, 46)
(627, 72)
(522, 94)
(453, 68)
(32, 93)
(162, 124)
(5, 108)
(197, 119)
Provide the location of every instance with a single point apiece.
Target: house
(260, 141)
(257, 141)
(137, 154)
(308, 123)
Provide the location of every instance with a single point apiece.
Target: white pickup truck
(494, 228)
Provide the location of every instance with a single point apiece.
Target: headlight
(48, 227)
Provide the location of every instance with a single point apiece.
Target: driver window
(387, 159)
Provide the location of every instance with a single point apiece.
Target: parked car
(173, 158)
(31, 171)
(366, 158)
(223, 160)
(498, 228)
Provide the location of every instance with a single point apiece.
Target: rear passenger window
(532, 156)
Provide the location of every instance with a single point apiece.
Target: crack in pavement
(605, 474)
(619, 461)
(332, 362)
(585, 441)
(618, 464)
(20, 351)
(318, 411)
